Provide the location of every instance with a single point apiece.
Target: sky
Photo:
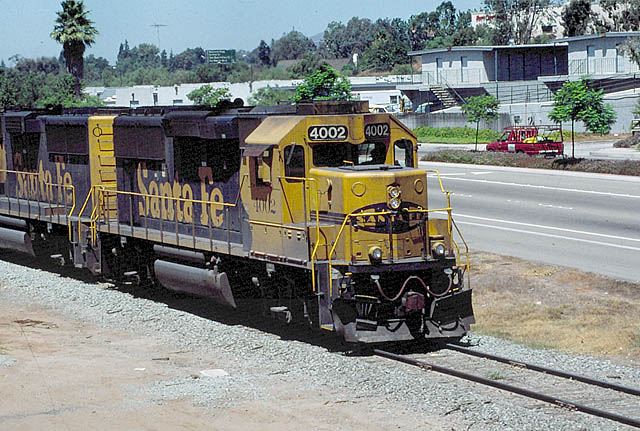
(213, 24)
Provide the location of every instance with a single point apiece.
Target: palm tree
(74, 31)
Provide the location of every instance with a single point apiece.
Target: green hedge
(455, 135)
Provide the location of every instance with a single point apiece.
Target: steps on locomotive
(325, 294)
(33, 209)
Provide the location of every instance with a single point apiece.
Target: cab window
(334, 154)
(294, 161)
(371, 153)
(404, 153)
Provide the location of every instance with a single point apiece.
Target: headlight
(375, 254)
(394, 192)
(394, 203)
(438, 249)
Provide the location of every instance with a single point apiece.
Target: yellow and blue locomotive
(317, 209)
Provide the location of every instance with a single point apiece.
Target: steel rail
(510, 388)
(550, 371)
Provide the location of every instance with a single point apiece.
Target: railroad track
(629, 397)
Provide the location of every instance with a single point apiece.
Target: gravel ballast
(257, 361)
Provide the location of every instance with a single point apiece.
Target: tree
(516, 19)
(422, 27)
(310, 62)
(342, 41)
(94, 68)
(74, 31)
(390, 46)
(189, 59)
(384, 53)
(264, 53)
(620, 16)
(632, 48)
(576, 16)
(480, 108)
(61, 93)
(209, 96)
(576, 101)
(291, 46)
(324, 84)
(266, 96)
(446, 19)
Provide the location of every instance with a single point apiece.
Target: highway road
(586, 221)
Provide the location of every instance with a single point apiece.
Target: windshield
(504, 137)
(334, 154)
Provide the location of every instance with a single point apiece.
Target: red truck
(530, 140)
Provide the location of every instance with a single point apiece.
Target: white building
(599, 54)
(381, 91)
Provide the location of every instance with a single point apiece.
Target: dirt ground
(73, 376)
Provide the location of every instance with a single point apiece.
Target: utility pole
(157, 26)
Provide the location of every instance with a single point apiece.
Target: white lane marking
(551, 235)
(562, 229)
(593, 192)
(447, 174)
(555, 206)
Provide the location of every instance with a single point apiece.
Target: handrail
(84, 205)
(57, 185)
(101, 191)
(449, 87)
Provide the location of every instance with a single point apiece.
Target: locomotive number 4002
(376, 130)
(328, 133)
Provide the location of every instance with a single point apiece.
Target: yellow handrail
(100, 191)
(84, 205)
(57, 185)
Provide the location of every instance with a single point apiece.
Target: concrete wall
(450, 119)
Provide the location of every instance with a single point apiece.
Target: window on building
(591, 51)
(439, 63)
